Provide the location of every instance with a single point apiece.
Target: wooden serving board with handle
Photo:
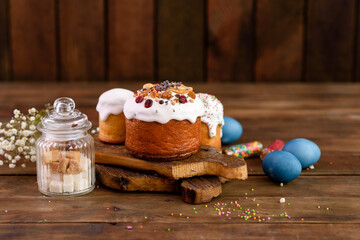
(195, 190)
(207, 161)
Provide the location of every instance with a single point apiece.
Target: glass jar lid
(64, 118)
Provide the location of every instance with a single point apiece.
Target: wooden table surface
(327, 114)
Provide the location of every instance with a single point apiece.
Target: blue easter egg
(231, 131)
(305, 150)
(281, 166)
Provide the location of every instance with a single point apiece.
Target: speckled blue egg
(281, 166)
(231, 131)
(305, 150)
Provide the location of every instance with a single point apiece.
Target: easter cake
(111, 117)
(212, 120)
(163, 122)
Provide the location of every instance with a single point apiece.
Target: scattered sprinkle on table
(129, 227)
(282, 200)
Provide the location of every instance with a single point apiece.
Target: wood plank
(194, 190)
(180, 40)
(330, 41)
(131, 40)
(33, 41)
(103, 205)
(152, 230)
(230, 50)
(357, 46)
(207, 161)
(82, 46)
(4, 41)
(279, 38)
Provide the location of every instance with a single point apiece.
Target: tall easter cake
(212, 120)
(163, 122)
(111, 117)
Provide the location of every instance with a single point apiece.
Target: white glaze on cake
(164, 102)
(213, 112)
(112, 102)
(163, 113)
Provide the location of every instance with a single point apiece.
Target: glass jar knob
(64, 106)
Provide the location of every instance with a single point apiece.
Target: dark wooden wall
(182, 40)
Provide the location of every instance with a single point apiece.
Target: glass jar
(65, 151)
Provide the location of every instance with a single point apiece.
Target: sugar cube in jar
(65, 151)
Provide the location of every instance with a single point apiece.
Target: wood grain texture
(330, 41)
(230, 50)
(33, 40)
(133, 207)
(207, 161)
(279, 39)
(82, 46)
(180, 40)
(128, 180)
(201, 189)
(357, 45)
(152, 230)
(4, 42)
(194, 190)
(131, 40)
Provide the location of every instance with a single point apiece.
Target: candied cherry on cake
(139, 99)
(148, 103)
(161, 101)
(182, 99)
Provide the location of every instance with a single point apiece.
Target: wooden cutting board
(207, 161)
(195, 190)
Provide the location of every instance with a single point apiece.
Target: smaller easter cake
(163, 122)
(111, 117)
(212, 120)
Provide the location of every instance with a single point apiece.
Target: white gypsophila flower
(23, 118)
(12, 139)
(11, 147)
(11, 165)
(17, 157)
(16, 112)
(32, 140)
(20, 149)
(2, 131)
(27, 133)
(93, 131)
(23, 125)
(32, 151)
(16, 116)
(13, 161)
(32, 110)
(23, 165)
(9, 157)
(27, 157)
(26, 148)
(8, 133)
(97, 129)
(8, 125)
(32, 119)
(1, 151)
(19, 142)
(0, 124)
(12, 121)
(32, 127)
(14, 131)
(33, 158)
(1, 163)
